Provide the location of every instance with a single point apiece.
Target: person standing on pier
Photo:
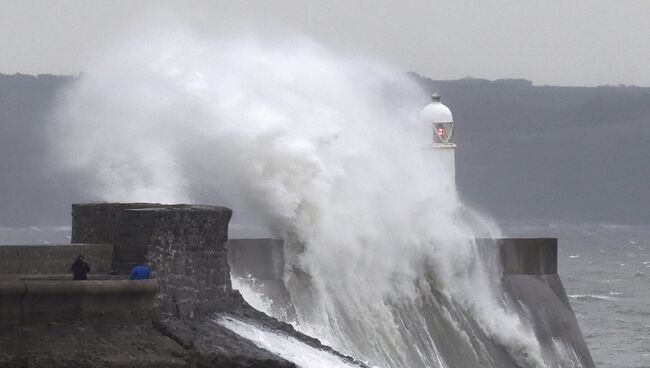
(80, 268)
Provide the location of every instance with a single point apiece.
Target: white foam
(287, 347)
(255, 299)
(592, 296)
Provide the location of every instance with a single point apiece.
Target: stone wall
(185, 246)
(41, 301)
(189, 258)
(114, 223)
(528, 256)
(542, 301)
(531, 281)
(22, 260)
(259, 265)
(260, 258)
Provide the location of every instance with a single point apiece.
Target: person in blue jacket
(140, 272)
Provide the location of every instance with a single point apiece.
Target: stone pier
(530, 278)
(185, 246)
(49, 320)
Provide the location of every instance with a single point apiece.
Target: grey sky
(570, 42)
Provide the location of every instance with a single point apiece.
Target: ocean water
(34, 235)
(606, 273)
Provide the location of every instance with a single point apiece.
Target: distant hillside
(524, 151)
(568, 153)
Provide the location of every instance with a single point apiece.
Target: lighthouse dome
(436, 112)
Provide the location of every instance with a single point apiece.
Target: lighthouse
(440, 123)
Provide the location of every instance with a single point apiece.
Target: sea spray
(287, 347)
(321, 150)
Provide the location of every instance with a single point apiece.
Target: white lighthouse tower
(440, 123)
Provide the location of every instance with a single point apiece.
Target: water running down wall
(531, 282)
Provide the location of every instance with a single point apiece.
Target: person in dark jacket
(80, 269)
(140, 272)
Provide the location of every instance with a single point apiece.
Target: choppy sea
(606, 273)
(605, 270)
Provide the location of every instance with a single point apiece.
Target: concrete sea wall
(262, 258)
(259, 265)
(530, 282)
(530, 278)
(46, 301)
(528, 256)
(53, 259)
(36, 286)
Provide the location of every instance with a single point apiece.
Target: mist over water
(323, 151)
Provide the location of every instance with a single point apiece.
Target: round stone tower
(440, 122)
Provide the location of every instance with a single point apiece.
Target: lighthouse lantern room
(440, 123)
